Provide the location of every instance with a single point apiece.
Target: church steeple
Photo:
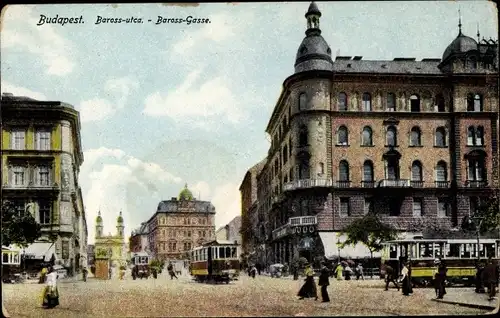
(119, 226)
(312, 16)
(98, 225)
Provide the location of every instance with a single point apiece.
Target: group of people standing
(309, 289)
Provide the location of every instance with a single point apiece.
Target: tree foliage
(489, 212)
(21, 229)
(369, 230)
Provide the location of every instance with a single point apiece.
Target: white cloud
(212, 99)
(21, 91)
(117, 90)
(53, 50)
(112, 181)
(227, 202)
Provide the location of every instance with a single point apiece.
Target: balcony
(368, 184)
(31, 186)
(417, 184)
(307, 183)
(303, 220)
(442, 184)
(398, 183)
(342, 184)
(476, 184)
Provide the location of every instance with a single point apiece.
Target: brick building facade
(414, 141)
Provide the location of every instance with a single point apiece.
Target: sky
(162, 105)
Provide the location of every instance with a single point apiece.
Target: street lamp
(338, 248)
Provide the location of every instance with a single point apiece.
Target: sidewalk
(466, 297)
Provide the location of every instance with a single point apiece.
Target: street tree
(18, 228)
(489, 213)
(370, 231)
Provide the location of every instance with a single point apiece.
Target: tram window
(453, 250)
(228, 252)
(482, 250)
(425, 249)
(413, 250)
(393, 252)
(233, 252)
(215, 253)
(466, 251)
(490, 250)
(5, 258)
(205, 254)
(222, 253)
(438, 250)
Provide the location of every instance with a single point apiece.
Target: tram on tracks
(460, 256)
(216, 261)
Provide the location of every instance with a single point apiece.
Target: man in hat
(439, 278)
(324, 282)
(490, 278)
(390, 276)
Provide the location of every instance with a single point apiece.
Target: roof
(219, 242)
(461, 44)
(397, 66)
(171, 206)
(186, 194)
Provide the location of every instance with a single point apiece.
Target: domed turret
(120, 218)
(460, 45)
(98, 219)
(119, 226)
(313, 53)
(98, 225)
(186, 194)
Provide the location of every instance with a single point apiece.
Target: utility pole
(478, 221)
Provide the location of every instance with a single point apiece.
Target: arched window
(478, 103)
(343, 171)
(342, 136)
(321, 168)
(471, 135)
(342, 101)
(476, 169)
(366, 137)
(367, 171)
(303, 136)
(414, 103)
(367, 102)
(479, 136)
(440, 137)
(415, 137)
(440, 103)
(391, 102)
(391, 136)
(470, 102)
(416, 171)
(302, 101)
(441, 171)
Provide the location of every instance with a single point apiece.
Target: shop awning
(40, 250)
(330, 240)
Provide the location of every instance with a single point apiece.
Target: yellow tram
(460, 256)
(217, 261)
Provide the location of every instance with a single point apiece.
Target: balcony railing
(398, 183)
(476, 184)
(342, 184)
(368, 184)
(307, 183)
(31, 186)
(442, 184)
(303, 220)
(417, 184)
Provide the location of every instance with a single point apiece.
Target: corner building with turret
(414, 141)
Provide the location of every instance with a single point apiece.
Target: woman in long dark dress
(309, 289)
(406, 280)
(51, 294)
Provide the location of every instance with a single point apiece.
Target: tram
(217, 261)
(141, 268)
(460, 256)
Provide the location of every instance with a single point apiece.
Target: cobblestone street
(263, 296)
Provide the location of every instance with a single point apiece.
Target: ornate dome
(120, 218)
(462, 44)
(98, 219)
(186, 194)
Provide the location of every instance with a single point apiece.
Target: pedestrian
(170, 269)
(390, 276)
(359, 272)
(43, 275)
(259, 266)
(84, 274)
(347, 272)
(490, 278)
(308, 290)
(478, 281)
(439, 279)
(405, 279)
(338, 271)
(253, 270)
(324, 281)
(110, 272)
(50, 293)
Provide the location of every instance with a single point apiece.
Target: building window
(302, 101)
(368, 171)
(43, 176)
(474, 103)
(321, 168)
(19, 206)
(415, 137)
(45, 211)
(342, 136)
(475, 136)
(367, 102)
(441, 171)
(391, 136)
(18, 139)
(366, 137)
(476, 169)
(440, 103)
(392, 169)
(417, 207)
(442, 208)
(391, 102)
(303, 136)
(440, 140)
(188, 233)
(416, 171)
(42, 139)
(285, 154)
(204, 233)
(18, 175)
(343, 171)
(368, 209)
(342, 102)
(414, 103)
(479, 140)
(344, 207)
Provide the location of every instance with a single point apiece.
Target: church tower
(119, 226)
(98, 225)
